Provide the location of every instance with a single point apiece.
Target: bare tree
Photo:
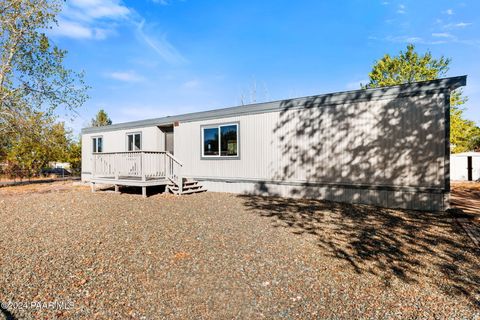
(251, 95)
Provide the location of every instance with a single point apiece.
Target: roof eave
(451, 83)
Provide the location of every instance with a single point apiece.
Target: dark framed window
(220, 141)
(97, 143)
(134, 141)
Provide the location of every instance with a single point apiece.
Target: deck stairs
(189, 186)
(142, 169)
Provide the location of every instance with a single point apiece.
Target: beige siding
(385, 198)
(116, 141)
(397, 142)
(384, 151)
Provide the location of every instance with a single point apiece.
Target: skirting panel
(417, 200)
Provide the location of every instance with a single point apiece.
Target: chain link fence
(15, 174)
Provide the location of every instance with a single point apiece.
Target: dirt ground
(67, 253)
(466, 196)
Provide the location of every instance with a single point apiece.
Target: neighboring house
(61, 165)
(465, 166)
(386, 146)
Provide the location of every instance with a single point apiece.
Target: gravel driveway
(216, 255)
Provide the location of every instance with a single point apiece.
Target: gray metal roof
(451, 83)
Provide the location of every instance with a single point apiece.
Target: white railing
(136, 164)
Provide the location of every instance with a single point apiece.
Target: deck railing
(136, 164)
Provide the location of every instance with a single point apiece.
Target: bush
(13, 171)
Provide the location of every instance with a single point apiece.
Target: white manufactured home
(386, 146)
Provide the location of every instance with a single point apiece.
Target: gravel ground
(466, 196)
(216, 255)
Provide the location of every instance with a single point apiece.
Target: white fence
(138, 164)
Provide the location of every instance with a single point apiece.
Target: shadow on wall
(360, 141)
(410, 246)
(398, 144)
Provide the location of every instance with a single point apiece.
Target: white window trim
(95, 144)
(133, 134)
(218, 126)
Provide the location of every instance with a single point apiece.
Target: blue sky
(154, 58)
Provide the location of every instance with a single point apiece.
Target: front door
(169, 141)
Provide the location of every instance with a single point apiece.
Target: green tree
(101, 119)
(464, 134)
(74, 155)
(42, 140)
(32, 73)
(408, 67)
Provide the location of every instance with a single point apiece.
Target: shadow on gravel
(409, 245)
(342, 150)
(7, 315)
(152, 190)
(467, 198)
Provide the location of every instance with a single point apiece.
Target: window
(97, 143)
(134, 141)
(220, 140)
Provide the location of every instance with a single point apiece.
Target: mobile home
(385, 146)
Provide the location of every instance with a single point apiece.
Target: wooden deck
(132, 181)
(141, 169)
(138, 168)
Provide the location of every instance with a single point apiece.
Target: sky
(154, 58)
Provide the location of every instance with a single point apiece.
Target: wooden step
(175, 190)
(202, 189)
(186, 191)
(185, 186)
(189, 186)
(190, 191)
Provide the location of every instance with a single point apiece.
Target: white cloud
(449, 12)
(458, 25)
(401, 9)
(89, 19)
(413, 39)
(101, 34)
(436, 39)
(408, 39)
(97, 19)
(126, 76)
(72, 30)
(76, 30)
(442, 35)
(161, 2)
(98, 9)
(160, 45)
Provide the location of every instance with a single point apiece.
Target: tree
(74, 155)
(253, 94)
(40, 140)
(101, 119)
(407, 67)
(410, 67)
(32, 75)
(464, 134)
